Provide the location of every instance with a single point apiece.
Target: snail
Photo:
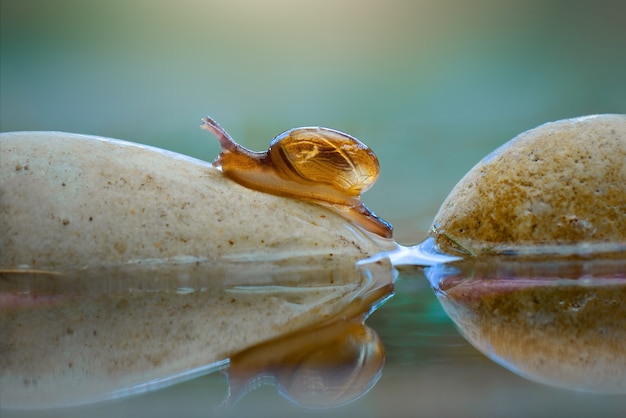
(314, 164)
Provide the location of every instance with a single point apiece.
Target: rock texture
(560, 183)
(558, 323)
(71, 201)
(124, 268)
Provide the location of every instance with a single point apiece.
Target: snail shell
(315, 164)
(322, 155)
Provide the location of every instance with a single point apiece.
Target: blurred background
(430, 85)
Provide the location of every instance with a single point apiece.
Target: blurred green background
(430, 85)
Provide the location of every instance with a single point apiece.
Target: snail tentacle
(371, 222)
(361, 215)
(226, 141)
(241, 155)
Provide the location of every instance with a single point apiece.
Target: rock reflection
(561, 323)
(97, 334)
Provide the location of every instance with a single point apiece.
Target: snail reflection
(561, 323)
(323, 367)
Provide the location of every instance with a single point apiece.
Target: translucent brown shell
(318, 165)
(327, 156)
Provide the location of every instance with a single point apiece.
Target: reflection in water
(97, 334)
(562, 323)
(323, 367)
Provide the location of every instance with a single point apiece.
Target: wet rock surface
(561, 183)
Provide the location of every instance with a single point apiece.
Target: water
(430, 87)
(409, 359)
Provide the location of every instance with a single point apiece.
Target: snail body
(314, 164)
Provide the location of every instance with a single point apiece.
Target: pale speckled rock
(124, 268)
(69, 201)
(560, 183)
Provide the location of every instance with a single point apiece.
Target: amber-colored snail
(316, 164)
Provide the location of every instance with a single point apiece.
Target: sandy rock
(125, 268)
(560, 183)
(71, 201)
